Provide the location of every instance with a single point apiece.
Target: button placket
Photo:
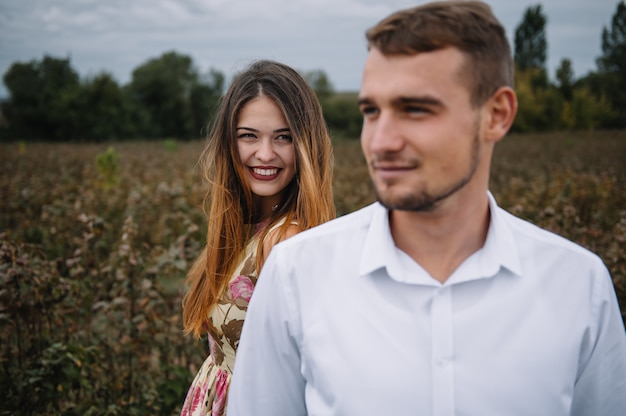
(442, 352)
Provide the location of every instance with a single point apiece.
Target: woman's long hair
(308, 199)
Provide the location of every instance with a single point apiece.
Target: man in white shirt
(432, 301)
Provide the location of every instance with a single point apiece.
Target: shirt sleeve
(267, 379)
(600, 388)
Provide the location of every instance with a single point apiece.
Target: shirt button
(444, 362)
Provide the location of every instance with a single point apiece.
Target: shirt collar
(499, 250)
(500, 244)
(378, 241)
(380, 253)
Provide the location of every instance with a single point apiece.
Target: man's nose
(384, 134)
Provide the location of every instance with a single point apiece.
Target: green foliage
(568, 106)
(203, 99)
(613, 59)
(170, 145)
(341, 111)
(530, 40)
(319, 81)
(600, 87)
(565, 79)
(169, 98)
(540, 107)
(35, 110)
(107, 164)
(166, 98)
(612, 65)
(343, 116)
(97, 110)
(170, 90)
(584, 111)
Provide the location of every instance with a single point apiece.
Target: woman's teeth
(265, 172)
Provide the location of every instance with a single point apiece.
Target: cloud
(118, 35)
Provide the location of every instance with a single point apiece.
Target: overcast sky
(116, 36)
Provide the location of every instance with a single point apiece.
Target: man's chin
(415, 203)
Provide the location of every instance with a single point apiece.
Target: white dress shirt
(342, 322)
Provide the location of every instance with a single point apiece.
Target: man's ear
(500, 112)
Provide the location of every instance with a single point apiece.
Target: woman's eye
(285, 137)
(246, 136)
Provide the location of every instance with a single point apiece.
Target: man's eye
(415, 110)
(368, 110)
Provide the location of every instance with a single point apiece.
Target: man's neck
(441, 240)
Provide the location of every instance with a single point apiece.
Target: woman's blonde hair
(230, 215)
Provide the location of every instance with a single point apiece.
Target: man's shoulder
(344, 225)
(544, 240)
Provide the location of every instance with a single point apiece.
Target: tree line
(595, 100)
(168, 97)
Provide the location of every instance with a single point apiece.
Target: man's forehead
(394, 74)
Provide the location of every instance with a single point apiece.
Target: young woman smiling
(268, 163)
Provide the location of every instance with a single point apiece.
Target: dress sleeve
(600, 387)
(267, 379)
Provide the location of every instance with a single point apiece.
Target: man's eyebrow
(425, 100)
(364, 101)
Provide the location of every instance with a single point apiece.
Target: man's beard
(425, 201)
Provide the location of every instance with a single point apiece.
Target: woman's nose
(265, 150)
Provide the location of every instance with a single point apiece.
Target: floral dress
(208, 392)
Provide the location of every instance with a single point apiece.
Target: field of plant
(95, 241)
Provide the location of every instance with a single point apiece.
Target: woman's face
(266, 150)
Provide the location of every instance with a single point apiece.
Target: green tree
(595, 84)
(530, 40)
(612, 65)
(581, 110)
(587, 112)
(171, 92)
(341, 111)
(565, 78)
(99, 110)
(540, 108)
(319, 81)
(613, 59)
(540, 103)
(343, 116)
(203, 99)
(34, 109)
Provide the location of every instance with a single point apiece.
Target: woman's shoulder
(278, 233)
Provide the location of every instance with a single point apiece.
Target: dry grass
(92, 267)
